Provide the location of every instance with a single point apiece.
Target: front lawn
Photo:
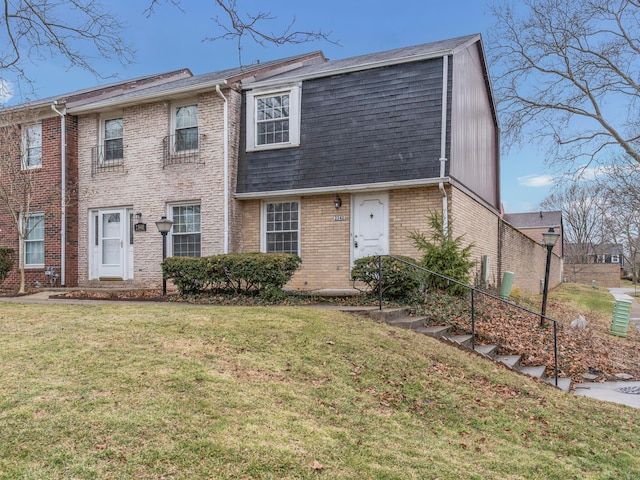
(185, 392)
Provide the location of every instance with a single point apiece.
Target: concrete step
(487, 350)
(536, 372)
(564, 383)
(464, 340)
(511, 361)
(411, 323)
(387, 315)
(434, 331)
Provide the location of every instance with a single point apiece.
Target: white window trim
(170, 217)
(263, 221)
(295, 99)
(101, 137)
(23, 252)
(174, 109)
(24, 147)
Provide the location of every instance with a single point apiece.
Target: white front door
(111, 245)
(370, 234)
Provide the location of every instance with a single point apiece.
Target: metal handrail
(473, 290)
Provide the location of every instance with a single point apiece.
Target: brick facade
(147, 188)
(46, 199)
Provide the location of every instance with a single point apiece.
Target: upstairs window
(32, 146)
(113, 138)
(273, 119)
(186, 128)
(185, 232)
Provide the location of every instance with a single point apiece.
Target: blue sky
(171, 39)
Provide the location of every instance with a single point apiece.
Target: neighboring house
(41, 139)
(605, 252)
(344, 159)
(534, 224)
(168, 150)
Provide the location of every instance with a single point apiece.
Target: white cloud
(6, 91)
(536, 180)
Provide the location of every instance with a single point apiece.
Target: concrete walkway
(615, 391)
(607, 391)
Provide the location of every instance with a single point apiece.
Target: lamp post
(549, 239)
(164, 225)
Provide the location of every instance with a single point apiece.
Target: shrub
(6, 262)
(444, 255)
(399, 280)
(236, 272)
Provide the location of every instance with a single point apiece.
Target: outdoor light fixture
(549, 239)
(337, 202)
(164, 225)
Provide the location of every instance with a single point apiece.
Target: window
(615, 258)
(34, 241)
(113, 136)
(185, 233)
(600, 259)
(273, 119)
(281, 227)
(32, 146)
(186, 128)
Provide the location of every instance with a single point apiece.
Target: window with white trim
(281, 227)
(32, 146)
(185, 128)
(273, 119)
(34, 241)
(113, 135)
(615, 258)
(186, 231)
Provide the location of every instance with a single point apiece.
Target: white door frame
(122, 269)
(370, 213)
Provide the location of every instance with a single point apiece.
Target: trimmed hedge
(399, 280)
(6, 262)
(264, 273)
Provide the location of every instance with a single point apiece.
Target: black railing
(474, 292)
(181, 149)
(106, 160)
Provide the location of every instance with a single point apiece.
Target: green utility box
(507, 283)
(621, 316)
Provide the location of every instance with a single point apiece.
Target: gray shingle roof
(371, 60)
(534, 219)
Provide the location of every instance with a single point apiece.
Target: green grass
(186, 392)
(584, 297)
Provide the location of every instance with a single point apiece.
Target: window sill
(273, 146)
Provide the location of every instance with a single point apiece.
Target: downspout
(443, 144)
(63, 190)
(225, 248)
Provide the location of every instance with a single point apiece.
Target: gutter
(443, 145)
(225, 242)
(63, 190)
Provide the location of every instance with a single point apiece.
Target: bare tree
(239, 25)
(568, 71)
(18, 151)
(582, 215)
(79, 32)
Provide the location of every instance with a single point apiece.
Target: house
(165, 151)
(534, 224)
(603, 263)
(343, 159)
(39, 142)
(331, 160)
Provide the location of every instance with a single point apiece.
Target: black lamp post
(164, 225)
(549, 239)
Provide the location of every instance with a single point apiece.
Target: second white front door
(370, 229)
(112, 252)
